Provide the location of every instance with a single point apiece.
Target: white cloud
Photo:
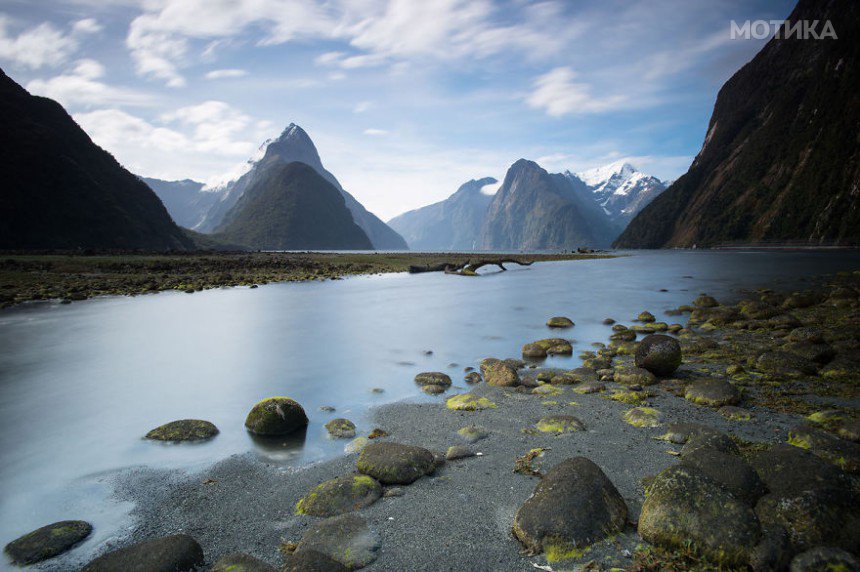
(43, 45)
(81, 86)
(87, 26)
(375, 132)
(492, 188)
(226, 74)
(558, 94)
(362, 106)
(216, 127)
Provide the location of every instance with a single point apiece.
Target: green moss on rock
(276, 416)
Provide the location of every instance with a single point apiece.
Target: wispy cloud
(226, 74)
(375, 132)
(82, 85)
(558, 94)
(43, 45)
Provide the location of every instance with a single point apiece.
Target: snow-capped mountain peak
(599, 175)
(620, 188)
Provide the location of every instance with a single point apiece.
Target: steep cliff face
(292, 207)
(452, 224)
(62, 191)
(781, 158)
(534, 210)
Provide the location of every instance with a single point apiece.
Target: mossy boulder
(634, 376)
(643, 417)
(340, 495)
(686, 510)
(395, 463)
(821, 354)
(48, 541)
(659, 354)
(501, 374)
(184, 430)
(712, 392)
(705, 301)
(433, 378)
(785, 363)
(276, 416)
(787, 470)
(564, 349)
(841, 452)
(731, 471)
(560, 322)
(559, 424)
(346, 539)
(239, 562)
(178, 553)
(589, 387)
(825, 559)
(624, 335)
(710, 440)
(805, 334)
(341, 428)
(680, 433)
(469, 402)
(573, 506)
(646, 317)
(311, 561)
(534, 351)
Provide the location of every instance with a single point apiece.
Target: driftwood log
(467, 268)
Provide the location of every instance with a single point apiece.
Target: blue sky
(405, 99)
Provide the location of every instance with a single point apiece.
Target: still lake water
(81, 384)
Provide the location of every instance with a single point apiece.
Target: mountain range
(532, 209)
(62, 191)
(781, 158)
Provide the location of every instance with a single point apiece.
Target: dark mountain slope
(452, 224)
(781, 159)
(61, 191)
(292, 207)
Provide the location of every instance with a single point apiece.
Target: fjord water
(81, 384)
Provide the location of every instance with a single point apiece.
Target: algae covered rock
(680, 433)
(184, 430)
(589, 387)
(473, 433)
(48, 541)
(705, 301)
(712, 392)
(341, 428)
(785, 363)
(659, 354)
(433, 378)
(311, 561)
(685, 509)
(573, 506)
(841, 452)
(357, 445)
(469, 402)
(634, 376)
(787, 470)
(395, 463)
(534, 351)
(456, 452)
(559, 322)
(559, 424)
(825, 559)
(239, 562)
(346, 539)
(501, 374)
(645, 317)
(643, 417)
(178, 552)
(276, 416)
(340, 495)
(733, 413)
(731, 471)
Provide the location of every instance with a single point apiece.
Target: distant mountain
(292, 207)
(452, 224)
(781, 158)
(534, 210)
(62, 191)
(620, 189)
(293, 145)
(186, 200)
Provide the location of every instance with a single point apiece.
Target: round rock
(659, 354)
(184, 430)
(469, 402)
(276, 416)
(712, 392)
(573, 506)
(341, 428)
(177, 553)
(340, 495)
(345, 539)
(559, 424)
(395, 463)
(643, 417)
(501, 374)
(48, 541)
(634, 376)
(559, 322)
(433, 378)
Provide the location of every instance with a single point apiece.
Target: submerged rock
(659, 354)
(560, 322)
(346, 539)
(686, 509)
(534, 351)
(238, 562)
(341, 428)
(433, 378)
(276, 416)
(573, 506)
(395, 463)
(184, 430)
(178, 553)
(48, 541)
(340, 495)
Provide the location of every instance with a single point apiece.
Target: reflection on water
(281, 449)
(81, 384)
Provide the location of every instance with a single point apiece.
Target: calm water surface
(80, 384)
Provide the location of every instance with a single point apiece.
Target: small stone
(48, 541)
(473, 377)
(356, 445)
(733, 413)
(458, 452)
(327, 408)
(560, 424)
(469, 402)
(712, 392)
(346, 539)
(179, 553)
(473, 433)
(340, 495)
(560, 322)
(341, 428)
(433, 378)
(377, 433)
(377, 390)
(184, 430)
(276, 416)
(395, 463)
(393, 492)
(634, 376)
(608, 322)
(646, 317)
(589, 387)
(643, 417)
(238, 562)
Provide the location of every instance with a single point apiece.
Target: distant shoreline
(77, 276)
